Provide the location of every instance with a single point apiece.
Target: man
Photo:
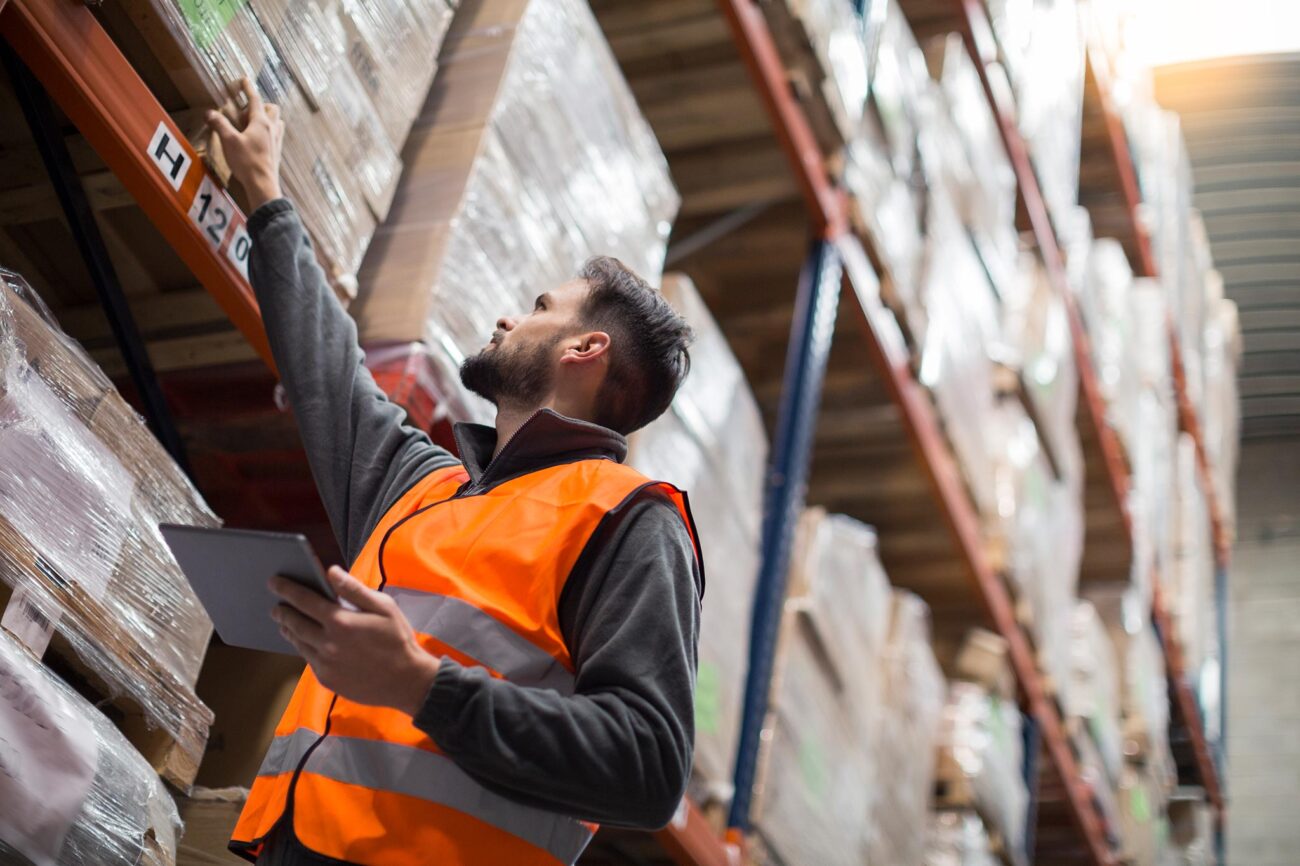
(516, 658)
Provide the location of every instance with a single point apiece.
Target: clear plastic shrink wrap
(1143, 829)
(1190, 578)
(75, 792)
(530, 157)
(1041, 42)
(914, 694)
(83, 487)
(323, 64)
(961, 329)
(1191, 831)
(819, 776)
(1092, 693)
(958, 839)
(961, 145)
(1221, 423)
(834, 31)
(712, 444)
(881, 167)
(981, 759)
(1144, 696)
(1036, 331)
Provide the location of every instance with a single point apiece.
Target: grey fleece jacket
(617, 751)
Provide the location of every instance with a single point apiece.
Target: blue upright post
(1031, 740)
(811, 330)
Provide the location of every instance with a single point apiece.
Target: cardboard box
(506, 170)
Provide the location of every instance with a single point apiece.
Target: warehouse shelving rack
(1185, 703)
(828, 208)
(92, 82)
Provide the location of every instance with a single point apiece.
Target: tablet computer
(229, 570)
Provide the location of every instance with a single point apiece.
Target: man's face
(519, 363)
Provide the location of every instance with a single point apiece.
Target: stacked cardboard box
(816, 798)
(1143, 686)
(881, 164)
(980, 765)
(914, 694)
(74, 790)
(1041, 46)
(1092, 693)
(530, 156)
(712, 443)
(349, 78)
(83, 487)
(958, 839)
(824, 44)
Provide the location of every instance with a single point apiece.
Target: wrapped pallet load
(83, 487)
(880, 160)
(980, 766)
(905, 736)
(825, 45)
(1144, 694)
(818, 785)
(712, 443)
(530, 156)
(958, 839)
(1092, 693)
(1042, 48)
(349, 78)
(75, 792)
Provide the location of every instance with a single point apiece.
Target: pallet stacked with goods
(960, 415)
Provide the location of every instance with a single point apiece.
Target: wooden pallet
(174, 758)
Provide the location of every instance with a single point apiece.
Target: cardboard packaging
(712, 443)
(83, 487)
(75, 791)
(530, 156)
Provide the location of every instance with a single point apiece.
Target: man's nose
(506, 323)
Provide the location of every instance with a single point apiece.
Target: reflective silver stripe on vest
(286, 751)
(400, 769)
(464, 627)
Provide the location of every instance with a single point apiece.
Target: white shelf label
(240, 247)
(170, 155)
(213, 212)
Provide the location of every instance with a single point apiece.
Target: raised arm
(362, 455)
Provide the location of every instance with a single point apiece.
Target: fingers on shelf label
(212, 210)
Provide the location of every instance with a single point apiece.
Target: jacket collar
(545, 439)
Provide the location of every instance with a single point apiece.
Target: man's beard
(520, 377)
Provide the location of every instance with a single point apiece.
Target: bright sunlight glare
(1173, 31)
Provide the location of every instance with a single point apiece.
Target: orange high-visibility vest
(479, 578)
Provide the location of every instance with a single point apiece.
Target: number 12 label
(211, 212)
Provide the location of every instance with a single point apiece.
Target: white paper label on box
(48, 756)
(60, 487)
(239, 248)
(170, 154)
(29, 621)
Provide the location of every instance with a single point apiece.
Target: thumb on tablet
(353, 593)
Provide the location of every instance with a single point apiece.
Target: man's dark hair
(649, 358)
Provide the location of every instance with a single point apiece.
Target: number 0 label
(240, 247)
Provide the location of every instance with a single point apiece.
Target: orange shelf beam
(689, 840)
(96, 87)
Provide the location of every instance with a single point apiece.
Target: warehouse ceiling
(1241, 119)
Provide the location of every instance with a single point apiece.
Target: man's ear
(585, 348)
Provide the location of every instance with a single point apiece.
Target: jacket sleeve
(362, 455)
(619, 750)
